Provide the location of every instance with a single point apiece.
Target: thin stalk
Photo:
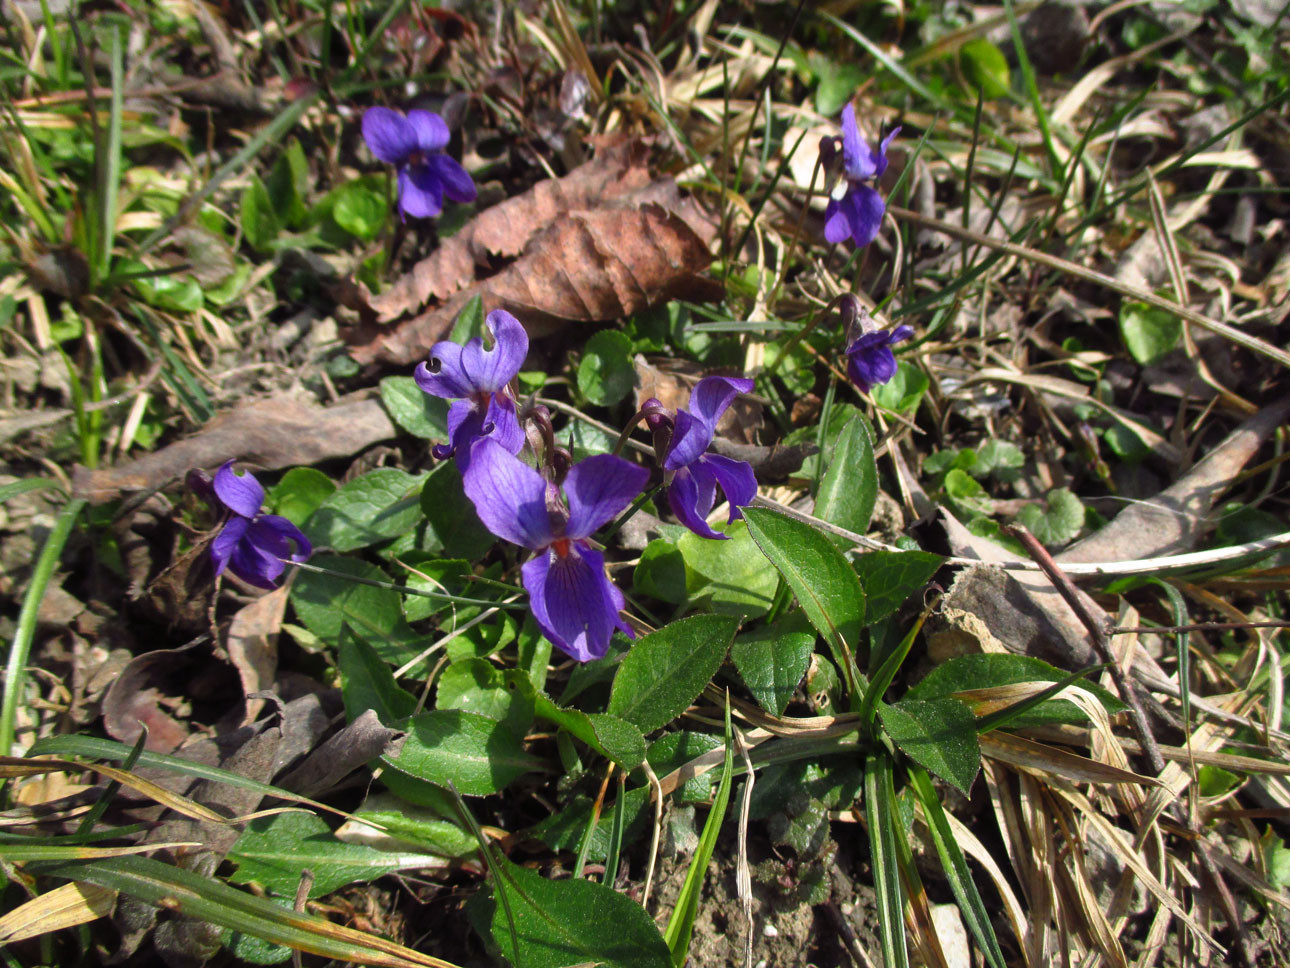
(19, 652)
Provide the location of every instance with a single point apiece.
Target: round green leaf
(606, 374)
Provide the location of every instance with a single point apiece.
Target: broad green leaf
(729, 575)
(326, 602)
(1057, 524)
(260, 222)
(986, 68)
(839, 418)
(821, 577)
(939, 735)
(565, 830)
(413, 409)
(997, 457)
(837, 83)
(660, 573)
(850, 485)
(179, 293)
(905, 390)
(477, 686)
(417, 827)
(965, 494)
(469, 322)
(666, 670)
(772, 660)
(273, 851)
(609, 736)
(367, 682)
(969, 672)
(891, 577)
(454, 528)
(287, 183)
(360, 211)
(975, 916)
(209, 899)
(382, 504)
(476, 754)
(1148, 332)
(563, 923)
(606, 373)
(299, 493)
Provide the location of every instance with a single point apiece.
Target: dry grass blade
(63, 907)
(1049, 761)
(11, 766)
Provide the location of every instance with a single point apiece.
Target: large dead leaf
(506, 228)
(274, 433)
(590, 266)
(253, 646)
(1172, 521)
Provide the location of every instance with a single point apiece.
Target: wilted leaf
(253, 645)
(589, 266)
(270, 434)
(505, 229)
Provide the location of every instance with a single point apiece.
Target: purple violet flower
(251, 545)
(478, 379)
(855, 209)
(695, 474)
(575, 604)
(415, 145)
(870, 360)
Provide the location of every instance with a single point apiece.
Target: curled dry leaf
(274, 433)
(252, 645)
(506, 228)
(590, 266)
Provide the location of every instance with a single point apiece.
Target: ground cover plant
(644, 484)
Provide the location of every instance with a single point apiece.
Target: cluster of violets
(553, 506)
(548, 504)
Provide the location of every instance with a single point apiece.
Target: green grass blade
(108, 161)
(20, 649)
(975, 917)
(882, 818)
(1032, 90)
(886, 672)
(207, 899)
(680, 925)
(1002, 717)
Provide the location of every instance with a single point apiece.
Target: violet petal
(690, 496)
(240, 493)
(420, 192)
(444, 375)
(388, 134)
(509, 496)
(286, 531)
(226, 542)
(864, 208)
(491, 369)
(456, 181)
(712, 396)
(736, 478)
(573, 601)
(599, 487)
(430, 129)
(690, 438)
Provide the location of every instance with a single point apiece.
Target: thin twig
(1196, 627)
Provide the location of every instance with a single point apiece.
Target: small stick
(1101, 642)
(1197, 627)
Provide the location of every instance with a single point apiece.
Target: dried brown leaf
(273, 433)
(588, 267)
(189, 681)
(252, 645)
(506, 228)
(63, 907)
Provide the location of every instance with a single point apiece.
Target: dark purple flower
(575, 604)
(253, 546)
(870, 360)
(855, 210)
(415, 144)
(695, 474)
(478, 379)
